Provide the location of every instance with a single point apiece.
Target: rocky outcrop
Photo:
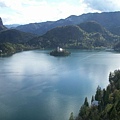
(2, 27)
(1, 21)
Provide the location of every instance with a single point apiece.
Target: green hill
(88, 35)
(84, 36)
(92, 27)
(14, 36)
(12, 41)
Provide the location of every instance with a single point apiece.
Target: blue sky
(30, 11)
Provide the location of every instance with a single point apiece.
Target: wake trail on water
(86, 57)
(89, 56)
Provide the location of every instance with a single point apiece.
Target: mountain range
(88, 31)
(86, 35)
(109, 20)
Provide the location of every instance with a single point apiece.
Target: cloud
(30, 11)
(2, 5)
(26, 11)
(103, 5)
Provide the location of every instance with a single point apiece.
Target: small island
(60, 52)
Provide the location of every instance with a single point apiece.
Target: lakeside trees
(108, 107)
(7, 48)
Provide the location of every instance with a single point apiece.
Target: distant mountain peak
(1, 23)
(2, 27)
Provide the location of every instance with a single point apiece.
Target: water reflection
(34, 85)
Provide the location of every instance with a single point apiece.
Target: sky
(34, 11)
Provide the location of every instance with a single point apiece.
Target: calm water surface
(36, 86)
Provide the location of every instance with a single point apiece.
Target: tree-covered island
(60, 52)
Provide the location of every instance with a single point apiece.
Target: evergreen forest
(105, 105)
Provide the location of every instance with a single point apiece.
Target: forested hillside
(14, 36)
(105, 19)
(89, 35)
(12, 41)
(105, 105)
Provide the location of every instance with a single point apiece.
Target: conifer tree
(71, 116)
(92, 99)
(86, 102)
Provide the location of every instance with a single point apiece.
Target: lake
(37, 86)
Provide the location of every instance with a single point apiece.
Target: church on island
(59, 52)
(59, 49)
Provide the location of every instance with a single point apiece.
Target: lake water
(37, 86)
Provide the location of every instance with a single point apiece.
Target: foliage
(86, 102)
(12, 41)
(71, 116)
(9, 48)
(60, 53)
(117, 47)
(83, 36)
(14, 36)
(89, 35)
(109, 102)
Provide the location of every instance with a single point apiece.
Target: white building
(59, 49)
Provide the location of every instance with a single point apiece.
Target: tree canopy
(108, 107)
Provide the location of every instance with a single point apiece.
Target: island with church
(60, 52)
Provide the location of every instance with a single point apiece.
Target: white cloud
(104, 5)
(28, 11)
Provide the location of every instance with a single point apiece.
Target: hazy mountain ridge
(110, 20)
(12, 26)
(86, 35)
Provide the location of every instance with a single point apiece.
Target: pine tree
(98, 95)
(92, 99)
(86, 102)
(71, 116)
